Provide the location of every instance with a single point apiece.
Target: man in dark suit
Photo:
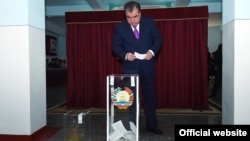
(217, 68)
(138, 56)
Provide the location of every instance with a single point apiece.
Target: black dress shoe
(155, 131)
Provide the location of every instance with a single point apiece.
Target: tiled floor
(57, 94)
(167, 124)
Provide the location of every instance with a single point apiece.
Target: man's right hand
(130, 56)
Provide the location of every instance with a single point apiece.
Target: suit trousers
(148, 100)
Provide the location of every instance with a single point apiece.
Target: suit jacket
(124, 41)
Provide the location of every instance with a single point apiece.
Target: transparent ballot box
(77, 125)
(123, 107)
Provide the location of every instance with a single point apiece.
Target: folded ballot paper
(121, 133)
(140, 56)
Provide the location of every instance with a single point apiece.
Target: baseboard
(41, 135)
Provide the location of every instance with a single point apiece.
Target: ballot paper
(118, 126)
(116, 136)
(121, 134)
(140, 56)
(132, 126)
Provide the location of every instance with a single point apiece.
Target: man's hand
(130, 56)
(149, 56)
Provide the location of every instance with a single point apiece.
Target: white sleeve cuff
(152, 52)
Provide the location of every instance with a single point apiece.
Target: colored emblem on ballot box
(122, 98)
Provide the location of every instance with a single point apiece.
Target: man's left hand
(149, 56)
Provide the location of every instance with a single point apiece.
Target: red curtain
(181, 64)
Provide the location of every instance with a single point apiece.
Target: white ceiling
(55, 9)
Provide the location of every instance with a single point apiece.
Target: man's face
(133, 17)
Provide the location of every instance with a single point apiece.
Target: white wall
(22, 61)
(236, 64)
(214, 37)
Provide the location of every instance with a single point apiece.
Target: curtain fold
(181, 65)
(89, 60)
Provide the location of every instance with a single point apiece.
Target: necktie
(136, 33)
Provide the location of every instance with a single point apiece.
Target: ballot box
(76, 124)
(123, 107)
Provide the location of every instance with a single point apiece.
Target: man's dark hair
(129, 6)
